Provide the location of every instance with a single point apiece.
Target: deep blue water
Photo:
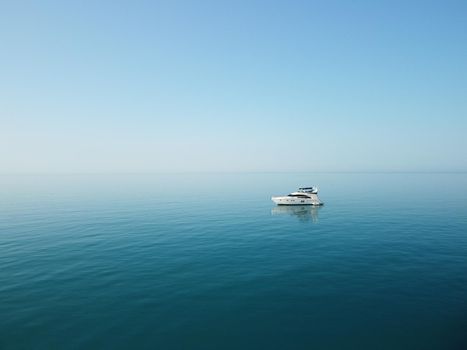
(206, 261)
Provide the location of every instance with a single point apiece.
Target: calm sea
(206, 261)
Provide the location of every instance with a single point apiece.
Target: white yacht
(304, 196)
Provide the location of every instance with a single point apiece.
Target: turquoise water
(206, 261)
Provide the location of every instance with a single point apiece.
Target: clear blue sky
(136, 86)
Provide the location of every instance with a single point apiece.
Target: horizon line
(237, 172)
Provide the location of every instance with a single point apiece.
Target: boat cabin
(298, 195)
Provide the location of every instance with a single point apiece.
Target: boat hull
(287, 200)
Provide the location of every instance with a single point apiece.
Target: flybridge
(308, 189)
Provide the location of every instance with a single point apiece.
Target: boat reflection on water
(303, 212)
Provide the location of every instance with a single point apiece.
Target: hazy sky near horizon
(136, 86)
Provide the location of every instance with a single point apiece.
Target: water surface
(206, 261)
